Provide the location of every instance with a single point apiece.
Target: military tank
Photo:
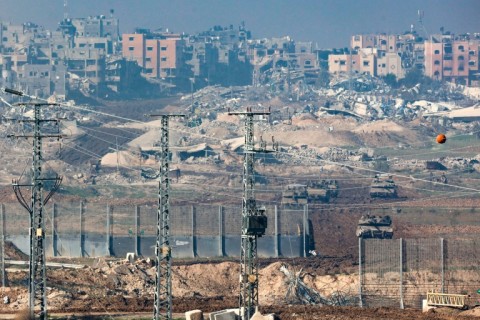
(322, 191)
(383, 186)
(294, 195)
(375, 227)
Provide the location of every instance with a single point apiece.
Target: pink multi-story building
(442, 57)
(171, 50)
(377, 55)
(447, 58)
(160, 56)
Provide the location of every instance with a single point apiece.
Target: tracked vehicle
(383, 186)
(375, 227)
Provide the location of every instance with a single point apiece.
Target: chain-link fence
(401, 272)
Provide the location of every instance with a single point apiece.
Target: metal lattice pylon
(253, 222)
(37, 270)
(163, 251)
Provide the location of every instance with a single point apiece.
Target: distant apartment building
(98, 27)
(363, 61)
(201, 57)
(79, 49)
(14, 36)
(160, 55)
(361, 41)
(103, 45)
(96, 32)
(283, 55)
(219, 56)
(452, 59)
(410, 47)
(342, 63)
(442, 57)
(88, 45)
(381, 54)
(225, 35)
(87, 63)
(389, 63)
(42, 80)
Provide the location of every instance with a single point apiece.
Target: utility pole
(254, 220)
(37, 271)
(163, 251)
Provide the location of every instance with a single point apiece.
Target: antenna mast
(421, 14)
(65, 9)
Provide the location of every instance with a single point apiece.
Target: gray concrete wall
(196, 232)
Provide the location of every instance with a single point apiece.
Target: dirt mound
(313, 137)
(225, 117)
(381, 125)
(120, 286)
(7, 194)
(95, 144)
(106, 281)
(304, 120)
(124, 158)
(386, 133)
(136, 109)
(13, 253)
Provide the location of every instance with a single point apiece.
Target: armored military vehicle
(322, 191)
(295, 194)
(383, 186)
(376, 227)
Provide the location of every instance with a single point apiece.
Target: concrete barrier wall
(79, 230)
(182, 247)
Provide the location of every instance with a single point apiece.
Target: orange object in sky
(441, 138)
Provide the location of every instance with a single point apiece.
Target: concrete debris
(258, 316)
(131, 257)
(312, 156)
(122, 269)
(224, 315)
(194, 315)
(299, 292)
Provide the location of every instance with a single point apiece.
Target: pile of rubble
(130, 283)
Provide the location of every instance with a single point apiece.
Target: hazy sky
(327, 22)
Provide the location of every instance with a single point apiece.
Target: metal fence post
(442, 266)
(360, 256)
(54, 230)
(194, 241)
(276, 242)
(2, 239)
(220, 232)
(401, 275)
(305, 221)
(109, 231)
(82, 229)
(136, 237)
